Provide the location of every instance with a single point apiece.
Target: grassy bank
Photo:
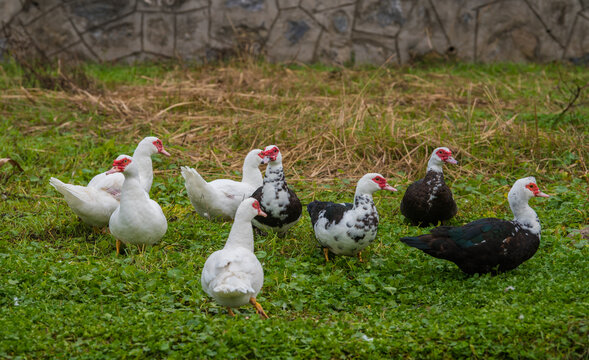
(63, 290)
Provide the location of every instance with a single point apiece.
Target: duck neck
(274, 174)
(241, 234)
(362, 198)
(525, 216)
(143, 158)
(252, 175)
(434, 165)
(132, 189)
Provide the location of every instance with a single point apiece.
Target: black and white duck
(345, 228)
(277, 200)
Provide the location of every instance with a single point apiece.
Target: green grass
(64, 293)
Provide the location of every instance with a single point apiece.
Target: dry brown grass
(343, 122)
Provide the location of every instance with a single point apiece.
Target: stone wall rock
(327, 31)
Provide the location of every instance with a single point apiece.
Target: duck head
(153, 145)
(273, 154)
(440, 156)
(255, 158)
(525, 189)
(372, 182)
(123, 163)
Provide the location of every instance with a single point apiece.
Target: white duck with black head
(95, 203)
(138, 220)
(489, 245)
(220, 198)
(347, 229)
(234, 276)
(429, 200)
(277, 200)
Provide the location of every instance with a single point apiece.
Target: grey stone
(139, 57)
(458, 19)
(558, 15)
(158, 33)
(116, 40)
(578, 49)
(373, 49)
(314, 6)
(287, 4)
(171, 5)
(332, 31)
(295, 31)
(8, 9)
(192, 34)
(335, 44)
(338, 20)
(421, 34)
(77, 52)
(293, 37)
(18, 41)
(235, 21)
(51, 39)
(87, 14)
(508, 31)
(584, 233)
(383, 17)
(334, 49)
(32, 10)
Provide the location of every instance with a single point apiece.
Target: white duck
(138, 220)
(95, 203)
(234, 276)
(220, 198)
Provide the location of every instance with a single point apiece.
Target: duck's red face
(119, 165)
(382, 183)
(535, 190)
(256, 205)
(265, 159)
(446, 156)
(272, 154)
(160, 147)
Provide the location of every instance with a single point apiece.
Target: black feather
(334, 212)
(482, 246)
(417, 206)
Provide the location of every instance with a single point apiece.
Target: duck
(219, 199)
(277, 200)
(345, 228)
(95, 203)
(489, 245)
(429, 200)
(233, 276)
(138, 219)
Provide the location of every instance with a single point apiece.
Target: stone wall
(329, 31)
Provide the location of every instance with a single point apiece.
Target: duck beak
(541, 194)
(451, 160)
(265, 160)
(389, 188)
(261, 213)
(113, 170)
(164, 152)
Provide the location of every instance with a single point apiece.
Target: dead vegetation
(338, 123)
